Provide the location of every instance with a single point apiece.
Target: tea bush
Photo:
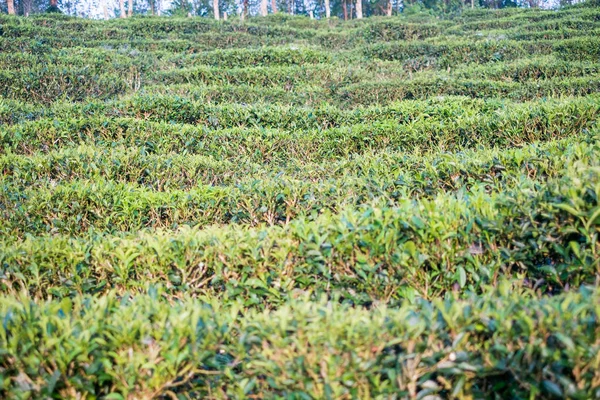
(471, 347)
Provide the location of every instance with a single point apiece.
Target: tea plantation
(392, 207)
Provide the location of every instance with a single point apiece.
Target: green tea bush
(48, 85)
(544, 233)
(418, 173)
(394, 90)
(203, 349)
(311, 134)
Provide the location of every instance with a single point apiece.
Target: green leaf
(462, 277)
(567, 341)
(552, 388)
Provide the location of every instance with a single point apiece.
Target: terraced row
(545, 231)
(205, 349)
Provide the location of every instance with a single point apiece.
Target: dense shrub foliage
(401, 207)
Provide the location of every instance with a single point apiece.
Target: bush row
(502, 344)
(333, 75)
(416, 173)
(37, 206)
(544, 233)
(293, 85)
(317, 135)
(526, 70)
(384, 92)
(49, 84)
(554, 35)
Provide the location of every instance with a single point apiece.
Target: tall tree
(122, 8)
(130, 11)
(359, 13)
(245, 8)
(27, 6)
(11, 6)
(263, 8)
(327, 9)
(216, 9)
(273, 6)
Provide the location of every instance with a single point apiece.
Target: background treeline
(343, 9)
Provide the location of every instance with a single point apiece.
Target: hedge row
(448, 55)
(546, 233)
(385, 92)
(416, 173)
(47, 85)
(262, 76)
(293, 85)
(37, 206)
(502, 344)
(313, 134)
(523, 70)
(554, 35)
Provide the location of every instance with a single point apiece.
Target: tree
(130, 11)
(274, 6)
(122, 8)
(263, 8)
(53, 7)
(216, 9)
(11, 6)
(327, 9)
(359, 13)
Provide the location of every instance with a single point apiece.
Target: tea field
(392, 207)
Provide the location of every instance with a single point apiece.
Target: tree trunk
(472, 3)
(27, 4)
(105, 11)
(345, 7)
(130, 13)
(263, 8)
(359, 14)
(11, 6)
(122, 7)
(388, 10)
(53, 3)
(216, 9)
(327, 9)
(273, 6)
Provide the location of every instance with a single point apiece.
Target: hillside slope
(398, 207)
